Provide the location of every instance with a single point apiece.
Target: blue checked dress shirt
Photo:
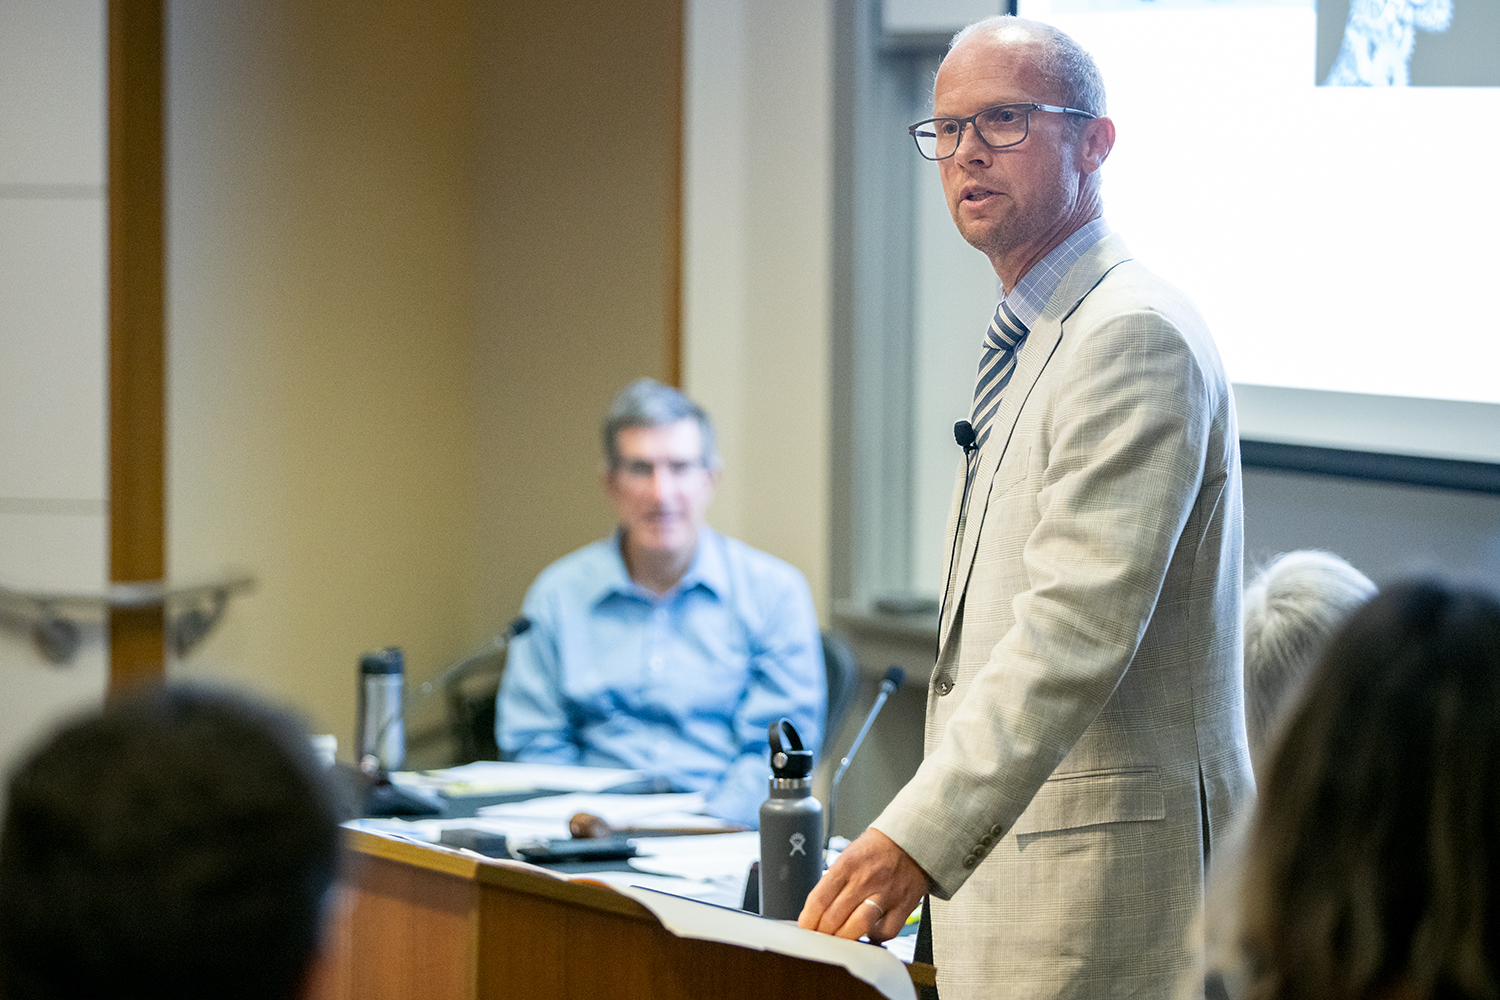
(1019, 311)
(683, 685)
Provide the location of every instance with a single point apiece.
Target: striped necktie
(996, 365)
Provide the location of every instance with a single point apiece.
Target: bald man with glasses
(1085, 742)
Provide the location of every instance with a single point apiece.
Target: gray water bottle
(381, 737)
(791, 828)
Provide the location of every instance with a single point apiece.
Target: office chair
(842, 668)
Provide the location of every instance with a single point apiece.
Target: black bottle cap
(789, 761)
(386, 661)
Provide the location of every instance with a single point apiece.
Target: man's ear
(1094, 143)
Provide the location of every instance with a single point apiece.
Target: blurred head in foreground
(1373, 869)
(1291, 608)
(182, 842)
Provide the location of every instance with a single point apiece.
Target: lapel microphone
(963, 433)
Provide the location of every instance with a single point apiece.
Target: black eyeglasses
(998, 127)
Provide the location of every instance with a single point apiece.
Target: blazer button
(971, 861)
(986, 841)
(996, 830)
(944, 685)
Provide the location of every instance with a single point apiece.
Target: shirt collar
(1037, 286)
(708, 570)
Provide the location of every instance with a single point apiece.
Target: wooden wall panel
(137, 378)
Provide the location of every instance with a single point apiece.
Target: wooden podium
(420, 922)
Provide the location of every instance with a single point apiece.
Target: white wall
(757, 255)
(52, 346)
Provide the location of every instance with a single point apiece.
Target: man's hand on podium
(868, 892)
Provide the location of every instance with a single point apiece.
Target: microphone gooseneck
(497, 644)
(889, 684)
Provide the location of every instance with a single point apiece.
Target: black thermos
(791, 828)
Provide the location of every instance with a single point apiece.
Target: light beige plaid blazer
(1085, 738)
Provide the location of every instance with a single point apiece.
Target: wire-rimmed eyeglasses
(998, 127)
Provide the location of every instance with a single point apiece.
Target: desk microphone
(376, 759)
(894, 675)
(498, 644)
(373, 758)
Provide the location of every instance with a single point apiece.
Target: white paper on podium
(491, 776)
(711, 868)
(715, 856)
(668, 811)
(705, 922)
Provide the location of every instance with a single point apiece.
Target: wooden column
(137, 384)
(678, 19)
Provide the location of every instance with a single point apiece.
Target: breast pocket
(1013, 474)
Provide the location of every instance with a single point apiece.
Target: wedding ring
(879, 910)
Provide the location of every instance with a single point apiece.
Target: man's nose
(970, 146)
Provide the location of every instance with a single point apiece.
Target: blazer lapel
(1037, 351)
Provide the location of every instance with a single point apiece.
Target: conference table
(419, 920)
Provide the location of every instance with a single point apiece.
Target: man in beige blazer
(1085, 742)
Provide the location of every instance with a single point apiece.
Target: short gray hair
(1292, 607)
(647, 403)
(1063, 62)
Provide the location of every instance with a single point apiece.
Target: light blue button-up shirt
(681, 685)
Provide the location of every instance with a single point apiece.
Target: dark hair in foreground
(182, 843)
(1374, 867)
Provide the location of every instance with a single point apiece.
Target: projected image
(1399, 43)
(1378, 40)
(1373, 241)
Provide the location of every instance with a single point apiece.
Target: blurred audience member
(1372, 871)
(180, 843)
(1291, 608)
(666, 648)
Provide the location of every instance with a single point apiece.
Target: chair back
(843, 680)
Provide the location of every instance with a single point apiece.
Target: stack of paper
(489, 777)
(672, 811)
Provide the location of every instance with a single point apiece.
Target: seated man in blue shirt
(666, 648)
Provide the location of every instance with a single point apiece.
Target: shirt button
(944, 685)
(656, 664)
